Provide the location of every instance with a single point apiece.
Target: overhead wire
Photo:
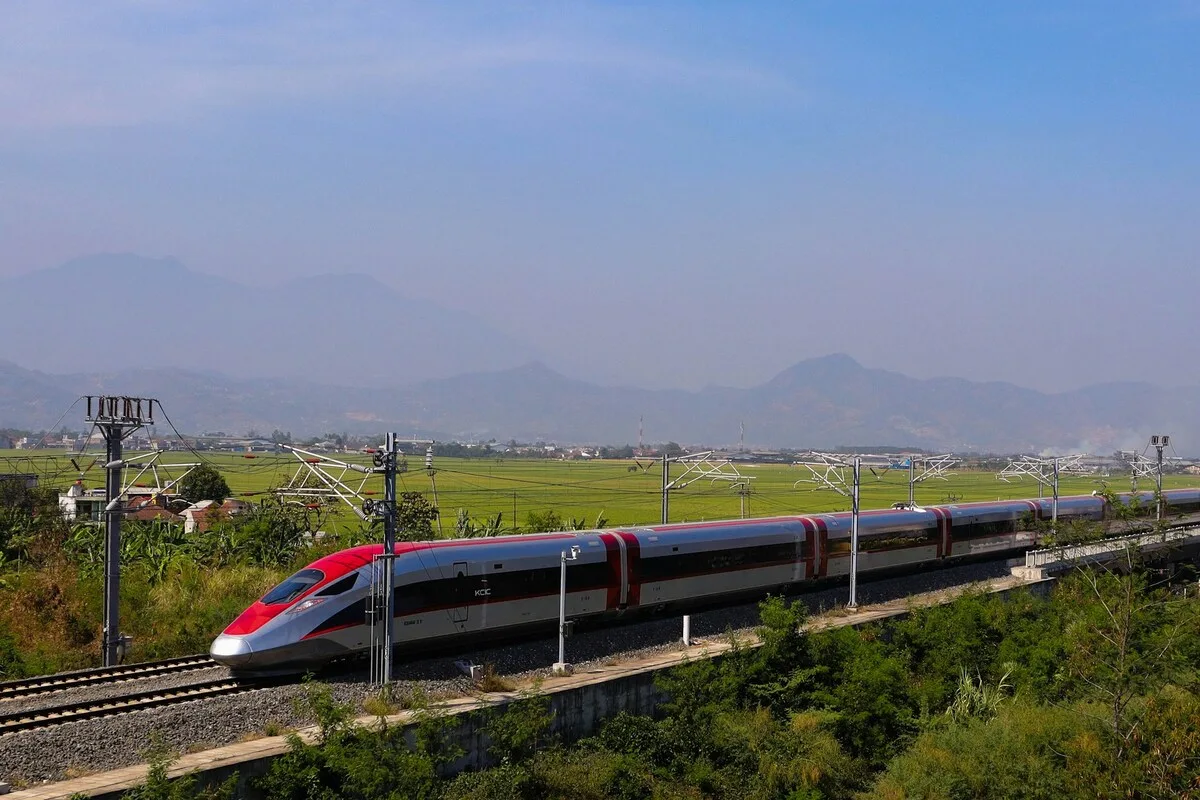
(57, 422)
(591, 484)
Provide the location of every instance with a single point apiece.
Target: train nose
(232, 651)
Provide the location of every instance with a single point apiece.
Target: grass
(380, 704)
(586, 490)
(491, 681)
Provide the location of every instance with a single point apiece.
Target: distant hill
(114, 311)
(823, 402)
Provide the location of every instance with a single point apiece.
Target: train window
(891, 540)
(337, 587)
(497, 566)
(981, 529)
(838, 547)
(290, 589)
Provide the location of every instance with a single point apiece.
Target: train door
(462, 594)
(809, 548)
(944, 542)
(618, 572)
(822, 546)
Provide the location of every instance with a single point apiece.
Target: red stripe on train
(810, 545)
(613, 550)
(633, 554)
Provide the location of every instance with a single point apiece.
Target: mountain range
(820, 403)
(345, 353)
(112, 311)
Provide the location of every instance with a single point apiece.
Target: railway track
(46, 684)
(137, 701)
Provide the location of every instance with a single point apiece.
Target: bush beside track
(981, 698)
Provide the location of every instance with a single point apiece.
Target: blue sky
(661, 194)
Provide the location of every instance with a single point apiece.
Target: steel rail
(46, 684)
(90, 709)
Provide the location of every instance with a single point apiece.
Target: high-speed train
(457, 592)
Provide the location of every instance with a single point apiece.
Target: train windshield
(293, 587)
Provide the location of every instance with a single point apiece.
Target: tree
(543, 521)
(1027, 751)
(414, 517)
(204, 483)
(1124, 640)
(31, 525)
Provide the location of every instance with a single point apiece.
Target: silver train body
(457, 593)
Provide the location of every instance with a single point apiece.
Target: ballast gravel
(104, 691)
(80, 748)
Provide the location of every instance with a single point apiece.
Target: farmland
(618, 492)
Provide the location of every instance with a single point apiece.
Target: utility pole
(666, 489)
(912, 481)
(433, 480)
(117, 418)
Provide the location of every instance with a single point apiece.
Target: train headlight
(305, 605)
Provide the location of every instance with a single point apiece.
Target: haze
(662, 195)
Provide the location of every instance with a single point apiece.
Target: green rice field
(618, 491)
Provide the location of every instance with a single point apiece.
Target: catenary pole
(389, 551)
(116, 418)
(1054, 512)
(113, 435)
(666, 519)
(854, 507)
(1158, 502)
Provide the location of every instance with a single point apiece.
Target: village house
(199, 517)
